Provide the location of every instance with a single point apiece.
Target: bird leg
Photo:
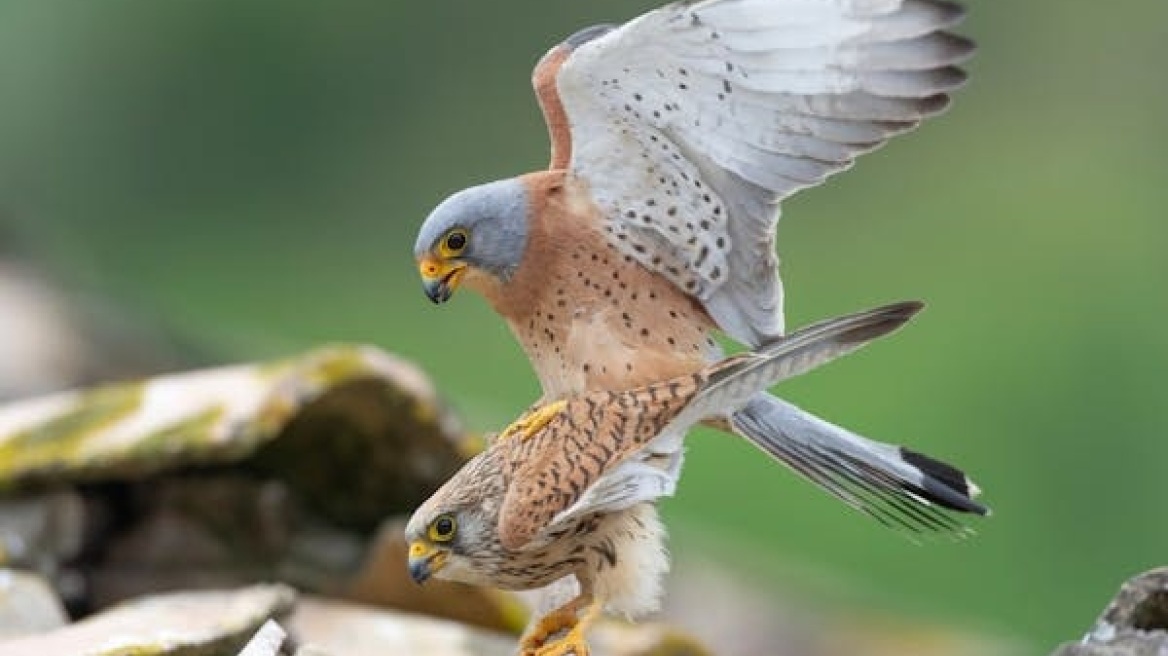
(533, 421)
(566, 617)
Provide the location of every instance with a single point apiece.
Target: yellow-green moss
(56, 443)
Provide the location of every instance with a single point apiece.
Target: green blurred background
(254, 172)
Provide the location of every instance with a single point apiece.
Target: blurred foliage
(255, 173)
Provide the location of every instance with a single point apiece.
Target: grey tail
(732, 382)
(902, 489)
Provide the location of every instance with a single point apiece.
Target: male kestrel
(528, 511)
(673, 139)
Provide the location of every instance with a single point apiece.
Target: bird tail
(732, 382)
(898, 487)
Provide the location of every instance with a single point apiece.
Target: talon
(549, 625)
(534, 421)
(573, 643)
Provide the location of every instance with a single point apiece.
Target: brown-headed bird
(575, 496)
(673, 139)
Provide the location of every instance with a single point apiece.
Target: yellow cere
(433, 268)
(419, 549)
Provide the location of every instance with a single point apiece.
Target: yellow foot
(531, 422)
(547, 626)
(573, 643)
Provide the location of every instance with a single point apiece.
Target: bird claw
(572, 644)
(548, 625)
(566, 618)
(532, 422)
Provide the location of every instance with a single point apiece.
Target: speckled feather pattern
(673, 139)
(589, 437)
(690, 123)
(575, 497)
(589, 316)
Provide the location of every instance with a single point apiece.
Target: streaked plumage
(674, 138)
(575, 498)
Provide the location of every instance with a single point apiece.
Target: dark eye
(455, 241)
(442, 530)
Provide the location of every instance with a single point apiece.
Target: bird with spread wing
(674, 137)
(574, 497)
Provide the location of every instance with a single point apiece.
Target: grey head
(483, 228)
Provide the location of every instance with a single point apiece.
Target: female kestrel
(528, 511)
(673, 139)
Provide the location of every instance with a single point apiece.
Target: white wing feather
(647, 476)
(690, 123)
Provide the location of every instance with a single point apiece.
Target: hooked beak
(440, 277)
(425, 561)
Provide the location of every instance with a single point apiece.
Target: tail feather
(902, 489)
(734, 381)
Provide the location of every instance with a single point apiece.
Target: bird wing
(583, 449)
(690, 123)
(610, 450)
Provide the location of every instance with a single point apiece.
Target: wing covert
(603, 452)
(690, 123)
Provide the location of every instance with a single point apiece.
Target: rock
(40, 532)
(266, 642)
(345, 629)
(27, 605)
(1135, 623)
(207, 623)
(222, 477)
(355, 422)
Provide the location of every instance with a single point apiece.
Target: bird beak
(440, 277)
(425, 561)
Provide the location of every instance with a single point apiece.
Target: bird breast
(588, 316)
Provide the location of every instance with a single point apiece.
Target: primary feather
(692, 122)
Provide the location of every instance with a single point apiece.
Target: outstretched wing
(690, 123)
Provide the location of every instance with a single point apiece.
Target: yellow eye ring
(454, 242)
(443, 528)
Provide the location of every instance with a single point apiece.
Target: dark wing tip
(944, 483)
(948, 13)
(957, 48)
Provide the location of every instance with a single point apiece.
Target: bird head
(453, 534)
(432, 545)
(477, 234)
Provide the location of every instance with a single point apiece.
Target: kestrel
(673, 139)
(527, 511)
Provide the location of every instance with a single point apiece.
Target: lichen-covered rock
(208, 623)
(353, 421)
(280, 470)
(1135, 623)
